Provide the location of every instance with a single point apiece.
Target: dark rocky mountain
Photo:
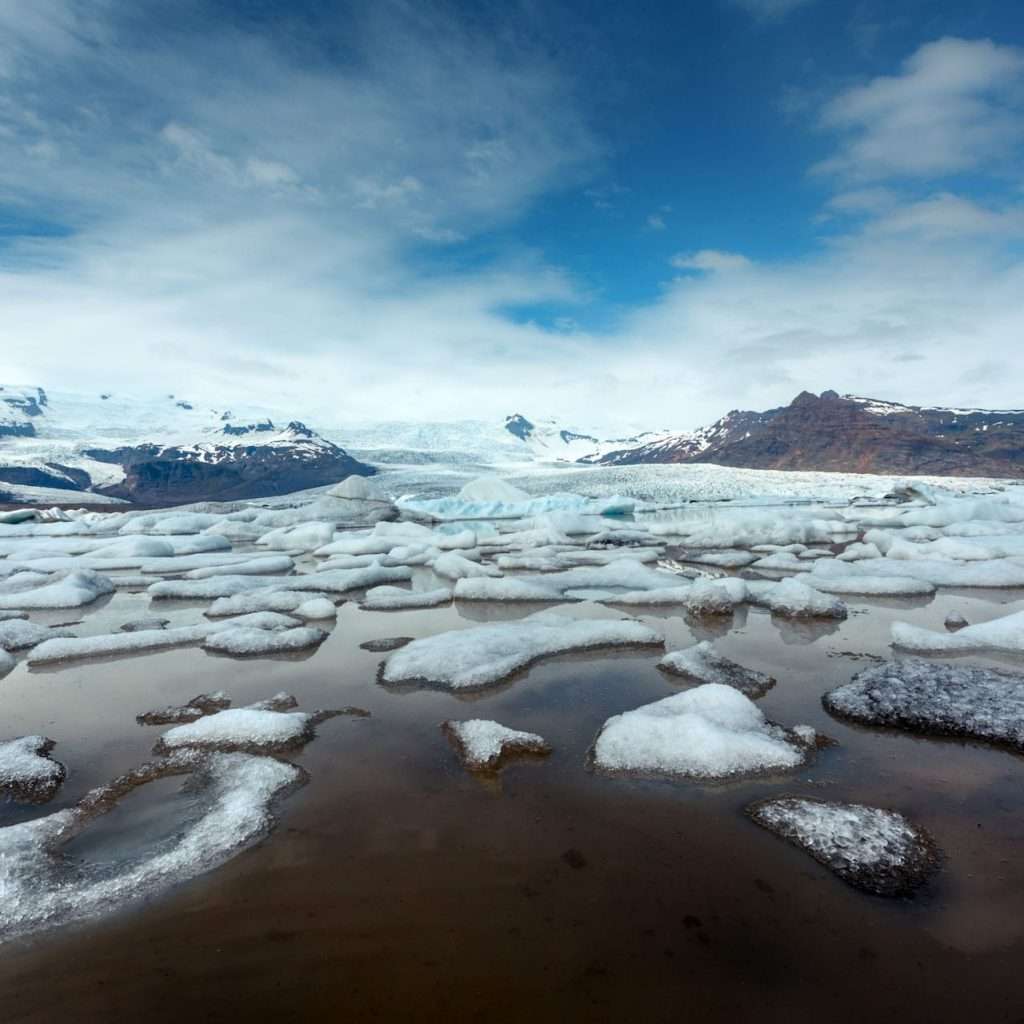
(292, 460)
(850, 434)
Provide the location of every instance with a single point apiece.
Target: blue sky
(622, 215)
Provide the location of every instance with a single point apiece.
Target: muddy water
(397, 886)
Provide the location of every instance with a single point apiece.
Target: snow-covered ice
(397, 599)
(318, 609)
(27, 773)
(18, 635)
(250, 729)
(483, 744)
(873, 849)
(705, 665)
(468, 659)
(250, 640)
(73, 590)
(1002, 634)
(936, 699)
(709, 732)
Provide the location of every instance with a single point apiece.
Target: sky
(623, 216)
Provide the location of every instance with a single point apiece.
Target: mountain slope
(158, 451)
(853, 435)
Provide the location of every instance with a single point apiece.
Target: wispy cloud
(770, 10)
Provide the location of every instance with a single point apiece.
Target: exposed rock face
(519, 426)
(296, 459)
(854, 435)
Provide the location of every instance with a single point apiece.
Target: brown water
(398, 886)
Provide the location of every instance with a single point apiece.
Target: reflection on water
(400, 886)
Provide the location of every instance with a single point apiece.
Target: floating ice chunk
(1002, 634)
(461, 508)
(27, 773)
(250, 729)
(305, 537)
(262, 620)
(955, 621)
(468, 659)
(216, 586)
(137, 625)
(780, 561)
(873, 849)
(247, 640)
(715, 597)
(624, 573)
(317, 609)
(704, 664)
(483, 744)
(266, 566)
(709, 732)
(678, 595)
(7, 616)
(71, 591)
(354, 487)
(793, 599)
(453, 566)
(999, 572)
(260, 601)
(197, 707)
(113, 644)
(936, 699)
(386, 644)
(858, 552)
(41, 887)
(359, 561)
(874, 586)
(7, 663)
(162, 523)
(507, 589)
(340, 581)
(492, 488)
(723, 559)
(747, 529)
(396, 599)
(530, 562)
(18, 635)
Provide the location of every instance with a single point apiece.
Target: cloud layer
(217, 210)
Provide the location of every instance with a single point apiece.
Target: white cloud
(656, 222)
(710, 260)
(952, 109)
(769, 10)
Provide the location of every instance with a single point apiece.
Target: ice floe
(1002, 634)
(873, 849)
(397, 599)
(936, 699)
(710, 732)
(480, 656)
(72, 590)
(705, 665)
(41, 887)
(483, 745)
(317, 609)
(18, 635)
(251, 640)
(27, 773)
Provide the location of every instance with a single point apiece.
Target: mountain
(549, 440)
(849, 434)
(157, 452)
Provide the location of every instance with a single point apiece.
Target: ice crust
(397, 599)
(1002, 634)
(704, 664)
(72, 590)
(876, 850)
(468, 659)
(483, 744)
(249, 640)
(936, 699)
(27, 773)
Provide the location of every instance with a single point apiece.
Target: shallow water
(399, 886)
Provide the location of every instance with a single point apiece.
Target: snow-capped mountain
(550, 440)
(160, 451)
(847, 433)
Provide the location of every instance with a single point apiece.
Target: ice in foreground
(70, 591)
(484, 745)
(871, 848)
(936, 699)
(27, 773)
(1003, 634)
(710, 732)
(705, 665)
(41, 887)
(468, 659)
(256, 730)
(249, 640)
